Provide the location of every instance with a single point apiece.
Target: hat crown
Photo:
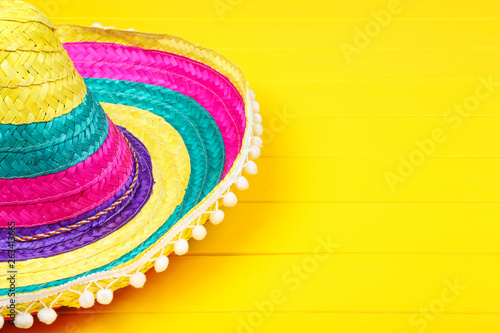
(38, 81)
(48, 120)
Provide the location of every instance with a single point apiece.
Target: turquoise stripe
(201, 137)
(36, 149)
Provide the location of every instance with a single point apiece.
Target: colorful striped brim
(116, 147)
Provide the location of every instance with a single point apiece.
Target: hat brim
(206, 148)
(111, 269)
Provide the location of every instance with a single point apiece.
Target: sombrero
(116, 147)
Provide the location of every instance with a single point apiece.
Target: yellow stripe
(38, 81)
(171, 170)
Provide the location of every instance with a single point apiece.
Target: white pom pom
(199, 232)
(86, 299)
(251, 94)
(230, 200)
(181, 247)
(2, 321)
(23, 320)
(256, 141)
(258, 129)
(255, 106)
(105, 296)
(254, 152)
(99, 25)
(161, 263)
(251, 168)
(242, 183)
(216, 217)
(137, 280)
(257, 118)
(47, 315)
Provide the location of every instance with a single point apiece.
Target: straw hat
(116, 147)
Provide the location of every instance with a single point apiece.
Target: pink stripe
(209, 88)
(66, 194)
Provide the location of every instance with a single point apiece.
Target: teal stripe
(31, 150)
(201, 137)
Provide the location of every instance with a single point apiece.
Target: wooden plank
(365, 180)
(358, 98)
(293, 228)
(261, 9)
(288, 136)
(373, 65)
(263, 322)
(291, 35)
(323, 173)
(327, 283)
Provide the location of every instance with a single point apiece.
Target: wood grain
(333, 129)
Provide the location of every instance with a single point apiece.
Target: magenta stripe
(108, 169)
(209, 88)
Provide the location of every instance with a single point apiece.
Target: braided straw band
(96, 229)
(54, 156)
(114, 165)
(92, 218)
(171, 174)
(194, 79)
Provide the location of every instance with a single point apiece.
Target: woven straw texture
(143, 125)
(39, 189)
(20, 11)
(112, 165)
(160, 42)
(171, 174)
(100, 226)
(37, 85)
(171, 167)
(198, 128)
(194, 79)
(55, 156)
(204, 129)
(69, 298)
(193, 123)
(64, 230)
(22, 145)
(35, 136)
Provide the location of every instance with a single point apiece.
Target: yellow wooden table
(377, 202)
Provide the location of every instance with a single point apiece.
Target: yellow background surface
(421, 255)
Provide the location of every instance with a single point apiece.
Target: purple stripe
(96, 229)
